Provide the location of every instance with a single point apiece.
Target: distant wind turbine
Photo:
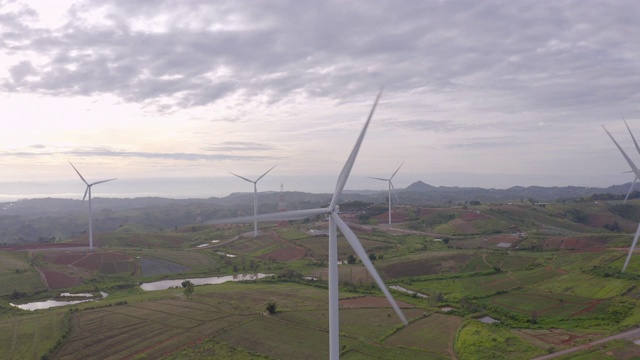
(88, 191)
(638, 149)
(390, 187)
(334, 222)
(637, 172)
(255, 197)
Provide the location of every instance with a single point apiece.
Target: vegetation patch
(150, 266)
(482, 341)
(434, 333)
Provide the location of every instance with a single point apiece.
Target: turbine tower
(88, 191)
(255, 197)
(390, 187)
(638, 149)
(636, 171)
(335, 222)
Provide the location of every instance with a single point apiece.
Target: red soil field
(396, 217)
(370, 302)
(504, 239)
(572, 243)
(63, 259)
(58, 280)
(472, 215)
(91, 262)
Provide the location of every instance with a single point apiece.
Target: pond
(488, 320)
(168, 284)
(38, 305)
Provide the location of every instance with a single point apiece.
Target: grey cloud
(103, 152)
(239, 146)
(532, 55)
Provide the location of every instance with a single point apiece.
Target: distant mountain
(420, 186)
(537, 193)
(50, 219)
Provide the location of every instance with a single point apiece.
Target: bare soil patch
(58, 280)
(474, 215)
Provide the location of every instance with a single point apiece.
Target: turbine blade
(633, 137)
(241, 177)
(346, 170)
(394, 174)
(362, 254)
(74, 168)
(285, 215)
(394, 192)
(378, 178)
(261, 176)
(102, 181)
(633, 246)
(631, 164)
(86, 192)
(635, 180)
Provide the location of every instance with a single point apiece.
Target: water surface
(168, 284)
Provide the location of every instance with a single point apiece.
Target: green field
(546, 298)
(16, 273)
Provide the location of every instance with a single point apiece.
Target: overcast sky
(476, 93)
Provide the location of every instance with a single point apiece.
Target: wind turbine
(636, 171)
(334, 222)
(638, 149)
(390, 187)
(255, 197)
(88, 191)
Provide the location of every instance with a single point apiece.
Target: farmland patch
(434, 333)
(150, 266)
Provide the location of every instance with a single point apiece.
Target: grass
(547, 305)
(586, 285)
(210, 349)
(17, 273)
(481, 341)
(30, 335)
(454, 289)
(434, 333)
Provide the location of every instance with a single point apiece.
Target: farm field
(16, 273)
(547, 292)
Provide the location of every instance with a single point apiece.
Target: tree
(372, 256)
(272, 307)
(188, 288)
(351, 259)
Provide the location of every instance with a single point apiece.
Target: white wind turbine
(636, 171)
(638, 149)
(88, 191)
(390, 187)
(334, 222)
(255, 197)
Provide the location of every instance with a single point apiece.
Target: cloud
(179, 54)
(43, 150)
(239, 146)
